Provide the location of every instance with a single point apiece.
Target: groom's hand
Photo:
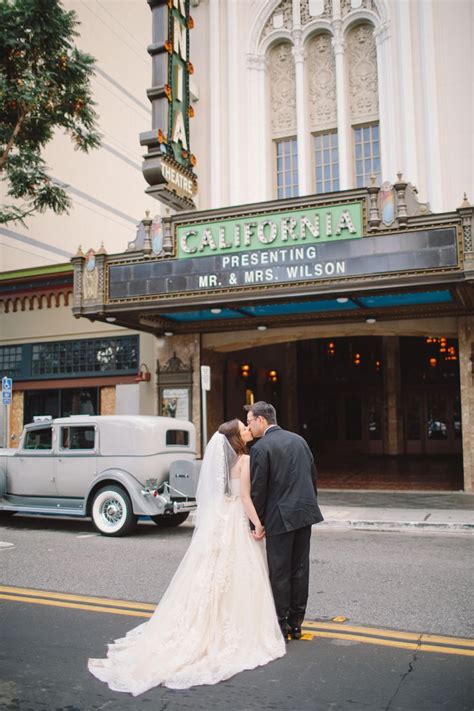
(259, 533)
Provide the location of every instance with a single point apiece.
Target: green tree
(44, 85)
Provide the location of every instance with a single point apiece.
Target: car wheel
(170, 520)
(112, 513)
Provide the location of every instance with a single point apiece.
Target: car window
(77, 437)
(177, 437)
(39, 439)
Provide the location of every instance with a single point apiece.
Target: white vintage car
(111, 468)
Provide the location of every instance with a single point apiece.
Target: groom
(284, 493)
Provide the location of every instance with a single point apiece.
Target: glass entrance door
(432, 421)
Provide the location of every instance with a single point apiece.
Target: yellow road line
(76, 606)
(78, 598)
(365, 635)
(394, 643)
(374, 631)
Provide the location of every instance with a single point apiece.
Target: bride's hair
(231, 430)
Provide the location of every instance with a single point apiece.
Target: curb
(399, 526)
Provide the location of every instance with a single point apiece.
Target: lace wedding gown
(216, 618)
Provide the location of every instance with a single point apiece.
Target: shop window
(287, 168)
(326, 154)
(61, 403)
(86, 356)
(10, 361)
(367, 154)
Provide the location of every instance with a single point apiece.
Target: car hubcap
(111, 511)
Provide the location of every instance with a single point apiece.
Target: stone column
(290, 395)
(343, 128)
(107, 400)
(258, 182)
(386, 93)
(301, 130)
(393, 431)
(466, 374)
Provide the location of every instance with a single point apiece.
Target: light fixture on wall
(371, 320)
(110, 319)
(272, 376)
(143, 375)
(216, 311)
(168, 334)
(261, 328)
(342, 299)
(245, 371)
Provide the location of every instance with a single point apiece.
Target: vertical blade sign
(168, 165)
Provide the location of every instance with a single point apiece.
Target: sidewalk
(451, 512)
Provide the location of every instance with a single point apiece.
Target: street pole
(5, 425)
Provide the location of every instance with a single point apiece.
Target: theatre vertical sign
(168, 166)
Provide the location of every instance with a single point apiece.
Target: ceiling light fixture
(168, 333)
(216, 311)
(342, 300)
(261, 328)
(371, 320)
(110, 319)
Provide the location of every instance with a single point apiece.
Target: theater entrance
(378, 412)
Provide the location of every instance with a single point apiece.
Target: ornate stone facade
(281, 74)
(321, 70)
(282, 16)
(348, 6)
(309, 10)
(362, 70)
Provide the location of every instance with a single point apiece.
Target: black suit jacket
(283, 477)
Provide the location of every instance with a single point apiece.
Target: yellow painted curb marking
(367, 635)
(78, 598)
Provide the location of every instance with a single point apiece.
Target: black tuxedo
(284, 493)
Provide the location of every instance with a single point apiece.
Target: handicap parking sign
(7, 391)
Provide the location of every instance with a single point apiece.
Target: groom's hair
(263, 409)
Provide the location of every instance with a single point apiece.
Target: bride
(217, 616)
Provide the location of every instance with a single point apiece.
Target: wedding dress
(217, 616)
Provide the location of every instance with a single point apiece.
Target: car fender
(142, 505)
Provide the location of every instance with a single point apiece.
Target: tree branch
(10, 143)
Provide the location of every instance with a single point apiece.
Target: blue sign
(7, 391)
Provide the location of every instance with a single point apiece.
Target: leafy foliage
(44, 85)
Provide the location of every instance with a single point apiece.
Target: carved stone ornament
(90, 278)
(311, 9)
(174, 365)
(363, 81)
(348, 6)
(281, 75)
(321, 68)
(281, 17)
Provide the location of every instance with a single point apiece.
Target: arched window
(322, 107)
(281, 76)
(364, 103)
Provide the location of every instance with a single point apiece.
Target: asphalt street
(404, 603)
(45, 649)
(408, 581)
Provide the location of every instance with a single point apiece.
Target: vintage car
(111, 468)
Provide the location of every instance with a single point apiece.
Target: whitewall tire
(112, 513)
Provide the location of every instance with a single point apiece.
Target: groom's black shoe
(295, 632)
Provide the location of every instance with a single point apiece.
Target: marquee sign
(263, 230)
(288, 265)
(168, 165)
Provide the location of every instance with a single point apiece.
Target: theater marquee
(289, 264)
